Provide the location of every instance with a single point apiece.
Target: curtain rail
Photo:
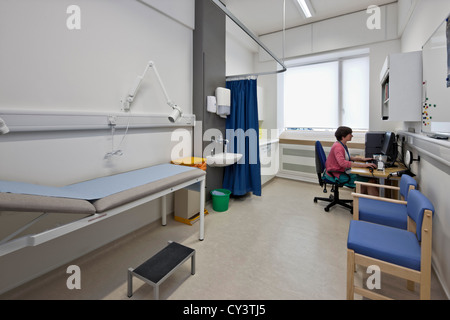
(255, 38)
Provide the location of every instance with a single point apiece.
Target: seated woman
(340, 160)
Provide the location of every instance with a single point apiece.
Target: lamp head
(175, 114)
(3, 127)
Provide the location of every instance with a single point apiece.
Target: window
(327, 94)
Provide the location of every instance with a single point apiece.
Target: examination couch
(99, 199)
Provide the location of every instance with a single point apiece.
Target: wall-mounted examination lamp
(176, 112)
(3, 127)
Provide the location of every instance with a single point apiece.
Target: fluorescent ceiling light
(305, 8)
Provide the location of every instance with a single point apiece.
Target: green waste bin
(220, 199)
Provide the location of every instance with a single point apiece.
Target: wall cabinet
(401, 87)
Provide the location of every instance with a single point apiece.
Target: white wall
(424, 20)
(46, 67)
(332, 34)
(240, 50)
(269, 83)
(434, 179)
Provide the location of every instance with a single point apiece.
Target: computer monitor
(389, 148)
(373, 143)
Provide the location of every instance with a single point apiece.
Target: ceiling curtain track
(255, 38)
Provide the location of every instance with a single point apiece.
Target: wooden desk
(365, 172)
(381, 175)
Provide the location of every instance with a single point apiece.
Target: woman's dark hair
(342, 132)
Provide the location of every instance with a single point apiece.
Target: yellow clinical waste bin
(187, 202)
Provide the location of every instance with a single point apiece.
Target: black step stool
(159, 267)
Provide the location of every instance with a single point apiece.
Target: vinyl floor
(280, 246)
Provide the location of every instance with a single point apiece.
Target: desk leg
(130, 282)
(202, 210)
(163, 211)
(382, 181)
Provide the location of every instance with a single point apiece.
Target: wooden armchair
(381, 210)
(402, 253)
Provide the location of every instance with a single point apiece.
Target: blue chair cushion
(347, 180)
(385, 213)
(388, 244)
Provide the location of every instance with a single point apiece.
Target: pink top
(338, 159)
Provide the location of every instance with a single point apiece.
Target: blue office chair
(385, 211)
(334, 199)
(402, 253)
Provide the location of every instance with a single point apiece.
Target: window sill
(327, 138)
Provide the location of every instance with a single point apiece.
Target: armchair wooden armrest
(356, 197)
(362, 195)
(377, 185)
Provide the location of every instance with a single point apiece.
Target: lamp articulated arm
(174, 115)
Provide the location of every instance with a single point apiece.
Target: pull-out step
(159, 267)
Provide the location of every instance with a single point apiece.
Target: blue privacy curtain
(243, 136)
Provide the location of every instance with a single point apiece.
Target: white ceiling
(266, 16)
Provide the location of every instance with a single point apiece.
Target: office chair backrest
(405, 183)
(321, 158)
(417, 204)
